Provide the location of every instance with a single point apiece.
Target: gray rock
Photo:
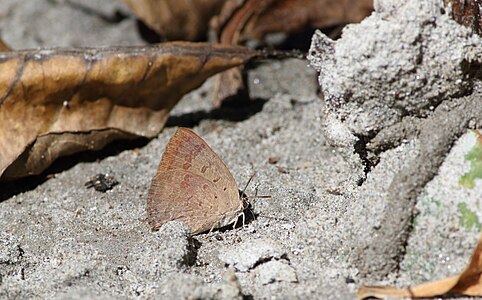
(393, 64)
(276, 270)
(229, 289)
(245, 256)
(168, 250)
(400, 88)
(184, 286)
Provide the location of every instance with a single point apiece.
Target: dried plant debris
(55, 102)
(468, 283)
(247, 19)
(102, 182)
(254, 20)
(177, 20)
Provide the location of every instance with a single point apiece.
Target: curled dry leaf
(177, 19)
(298, 14)
(254, 19)
(469, 283)
(235, 15)
(56, 102)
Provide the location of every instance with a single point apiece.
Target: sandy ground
(313, 239)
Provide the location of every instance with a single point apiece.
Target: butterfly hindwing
(192, 185)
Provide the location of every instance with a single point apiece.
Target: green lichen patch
(468, 218)
(474, 156)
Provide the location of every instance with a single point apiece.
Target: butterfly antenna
(255, 194)
(247, 184)
(246, 199)
(250, 207)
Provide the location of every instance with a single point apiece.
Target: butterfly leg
(244, 218)
(212, 228)
(235, 222)
(237, 218)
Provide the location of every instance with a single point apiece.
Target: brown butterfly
(193, 185)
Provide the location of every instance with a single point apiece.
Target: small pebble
(102, 182)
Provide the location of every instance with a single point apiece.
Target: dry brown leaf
(298, 14)
(469, 283)
(177, 19)
(56, 102)
(253, 19)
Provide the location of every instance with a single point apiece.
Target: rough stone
(401, 46)
(245, 256)
(275, 271)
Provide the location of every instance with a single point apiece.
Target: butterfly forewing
(187, 151)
